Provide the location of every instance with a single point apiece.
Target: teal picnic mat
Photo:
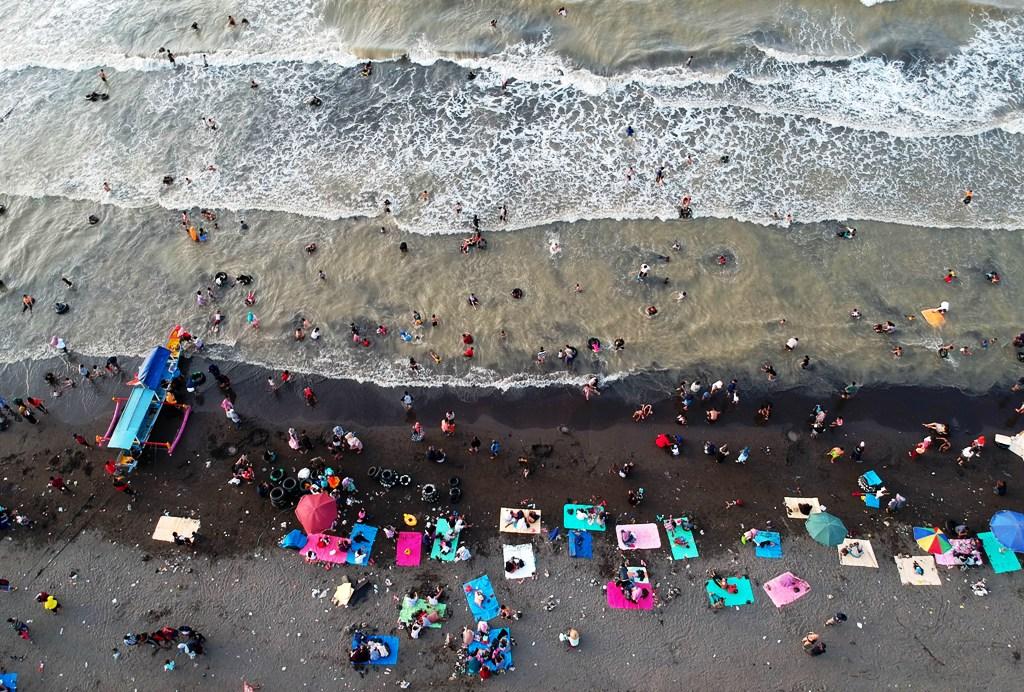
(743, 596)
(681, 552)
(405, 615)
(570, 521)
(1000, 557)
(443, 527)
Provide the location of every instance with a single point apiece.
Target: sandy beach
(253, 601)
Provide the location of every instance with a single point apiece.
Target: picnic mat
(618, 601)
(11, 680)
(871, 500)
(865, 560)
(494, 636)
(1000, 557)
(442, 528)
(165, 526)
(647, 536)
(407, 613)
(961, 545)
(793, 512)
(786, 588)
(409, 549)
(771, 552)
(490, 608)
(525, 553)
(581, 544)
(638, 574)
(363, 536)
(508, 525)
(295, 539)
(908, 577)
(331, 552)
(388, 641)
(680, 541)
(570, 521)
(743, 596)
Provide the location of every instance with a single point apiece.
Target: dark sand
(253, 600)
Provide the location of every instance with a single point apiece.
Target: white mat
(909, 577)
(525, 553)
(866, 560)
(794, 513)
(166, 526)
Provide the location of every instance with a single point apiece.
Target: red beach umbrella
(316, 512)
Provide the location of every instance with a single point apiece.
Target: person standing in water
(968, 196)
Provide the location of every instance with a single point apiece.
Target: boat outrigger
(135, 416)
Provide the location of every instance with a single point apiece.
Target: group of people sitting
(634, 586)
(187, 640)
(368, 649)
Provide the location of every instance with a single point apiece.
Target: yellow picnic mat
(166, 526)
(867, 559)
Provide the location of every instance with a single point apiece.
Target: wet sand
(253, 602)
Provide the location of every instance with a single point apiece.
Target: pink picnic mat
(324, 554)
(786, 588)
(409, 548)
(617, 600)
(962, 545)
(647, 536)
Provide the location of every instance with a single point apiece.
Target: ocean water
(790, 119)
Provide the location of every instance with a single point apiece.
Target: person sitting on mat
(628, 538)
(514, 564)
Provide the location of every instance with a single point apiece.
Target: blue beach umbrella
(1008, 528)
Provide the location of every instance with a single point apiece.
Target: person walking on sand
(835, 454)
(813, 646)
(80, 439)
(49, 602)
(309, 396)
(27, 302)
(21, 628)
(571, 639)
(57, 483)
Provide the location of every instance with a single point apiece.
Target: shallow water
(826, 111)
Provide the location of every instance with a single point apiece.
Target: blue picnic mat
(581, 544)
(1000, 557)
(872, 478)
(772, 552)
(387, 640)
(743, 596)
(496, 634)
(11, 680)
(490, 608)
(679, 551)
(295, 540)
(570, 521)
(362, 536)
(871, 500)
(442, 528)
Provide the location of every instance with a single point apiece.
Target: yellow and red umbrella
(932, 540)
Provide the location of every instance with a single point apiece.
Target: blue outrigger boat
(135, 416)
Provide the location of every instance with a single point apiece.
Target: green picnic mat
(405, 615)
(443, 527)
(681, 552)
(1000, 557)
(743, 596)
(569, 520)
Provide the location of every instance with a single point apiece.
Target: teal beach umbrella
(826, 528)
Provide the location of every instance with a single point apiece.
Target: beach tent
(931, 540)
(826, 528)
(1008, 528)
(316, 512)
